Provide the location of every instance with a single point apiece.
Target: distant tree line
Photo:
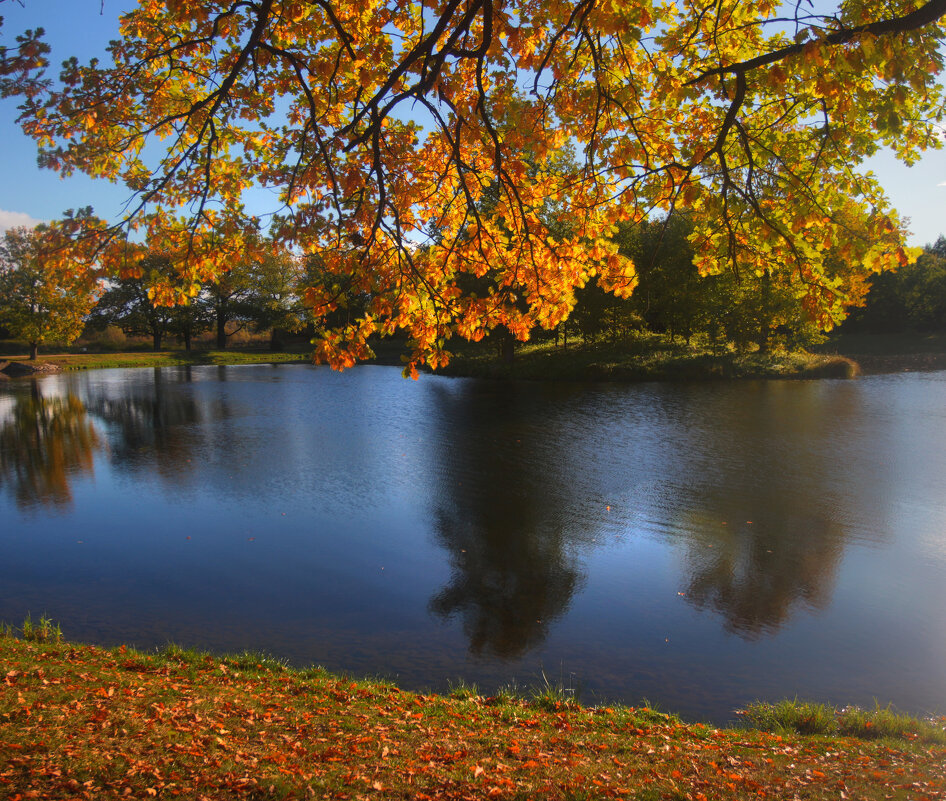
(39, 302)
(746, 310)
(262, 295)
(732, 308)
(737, 309)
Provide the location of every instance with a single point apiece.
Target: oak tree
(275, 300)
(379, 125)
(41, 300)
(128, 303)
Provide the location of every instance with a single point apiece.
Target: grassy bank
(642, 358)
(83, 722)
(169, 358)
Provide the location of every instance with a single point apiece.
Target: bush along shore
(78, 721)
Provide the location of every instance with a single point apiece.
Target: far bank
(643, 358)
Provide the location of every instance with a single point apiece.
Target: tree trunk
(221, 331)
(156, 340)
(508, 346)
(187, 341)
(34, 351)
(763, 340)
(764, 324)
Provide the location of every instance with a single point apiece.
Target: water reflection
(499, 515)
(767, 527)
(435, 529)
(45, 442)
(148, 424)
(755, 576)
(508, 583)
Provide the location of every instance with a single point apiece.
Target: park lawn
(169, 358)
(641, 357)
(78, 721)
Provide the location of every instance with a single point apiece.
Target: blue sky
(83, 28)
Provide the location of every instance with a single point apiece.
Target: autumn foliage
(45, 290)
(463, 163)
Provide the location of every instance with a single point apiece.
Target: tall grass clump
(805, 717)
(463, 691)
(786, 716)
(554, 695)
(885, 722)
(45, 630)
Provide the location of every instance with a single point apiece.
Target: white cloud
(14, 219)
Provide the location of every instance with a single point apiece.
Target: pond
(698, 545)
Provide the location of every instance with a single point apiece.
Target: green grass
(506, 694)
(808, 718)
(887, 723)
(44, 630)
(554, 695)
(801, 717)
(642, 357)
(91, 361)
(463, 691)
(78, 721)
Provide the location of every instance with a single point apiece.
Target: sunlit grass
(94, 361)
(43, 630)
(463, 691)
(641, 357)
(809, 718)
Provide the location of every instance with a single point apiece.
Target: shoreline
(78, 721)
(57, 363)
(647, 360)
(537, 363)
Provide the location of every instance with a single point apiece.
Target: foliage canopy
(382, 125)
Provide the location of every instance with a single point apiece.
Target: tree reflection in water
(147, 426)
(502, 516)
(507, 583)
(44, 443)
(771, 508)
(755, 576)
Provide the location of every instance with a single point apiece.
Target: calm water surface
(702, 546)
